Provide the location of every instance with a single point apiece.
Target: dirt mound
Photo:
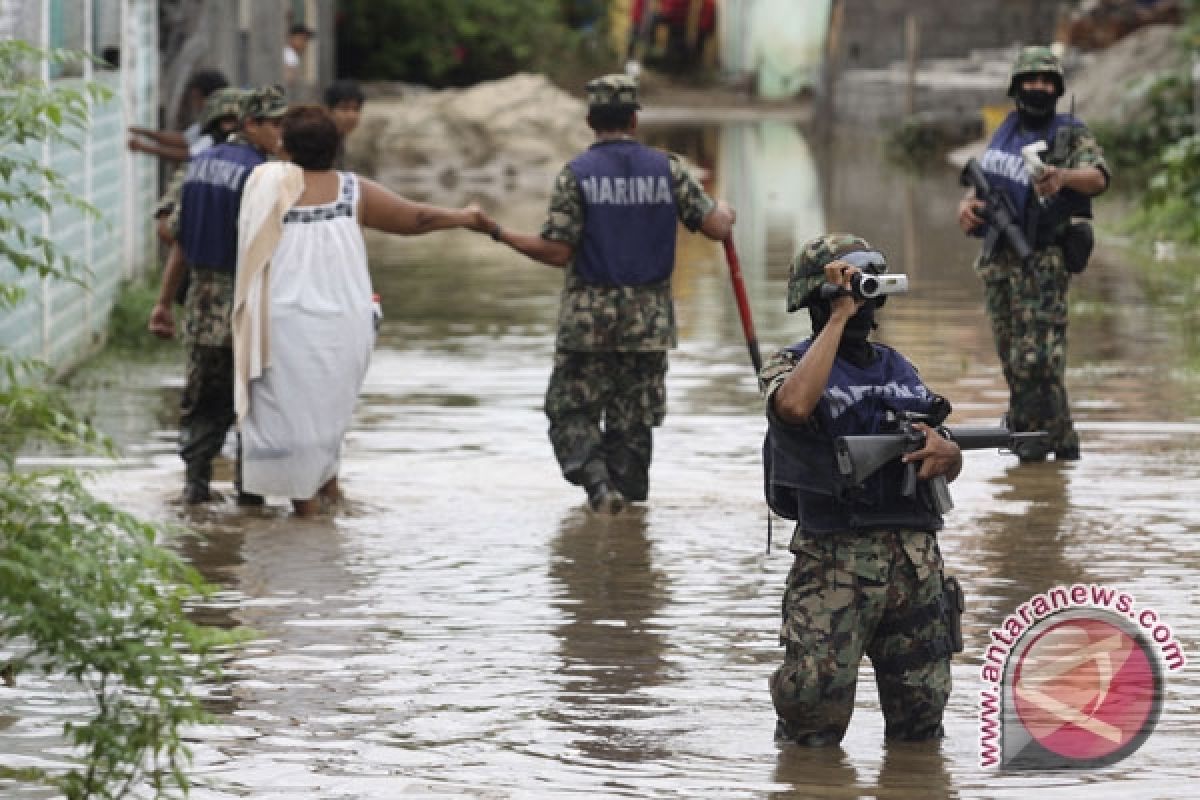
(521, 122)
(1106, 88)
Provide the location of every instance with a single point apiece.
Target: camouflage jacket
(621, 318)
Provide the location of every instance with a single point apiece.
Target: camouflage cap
(808, 267)
(1036, 60)
(222, 103)
(616, 90)
(265, 102)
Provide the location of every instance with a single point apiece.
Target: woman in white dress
(303, 312)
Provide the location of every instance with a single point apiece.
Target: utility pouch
(953, 603)
(1077, 243)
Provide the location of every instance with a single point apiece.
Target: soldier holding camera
(1026, 298)
(867, 576)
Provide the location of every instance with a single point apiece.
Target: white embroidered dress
(321, 335)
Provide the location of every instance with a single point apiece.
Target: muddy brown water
(464, 628)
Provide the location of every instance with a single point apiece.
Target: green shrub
(86, 590)
(459, 42)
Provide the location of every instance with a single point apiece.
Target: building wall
(872, 32)
(61, 322)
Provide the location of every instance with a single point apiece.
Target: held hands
(938, 456)
(970, 213)
(162, 322)
(477, 220)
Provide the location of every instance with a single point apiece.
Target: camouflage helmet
(265, 102)
(1036, 61)
(222, 103)
(807, 272)
(613, 91)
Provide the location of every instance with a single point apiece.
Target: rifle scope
(865, 286)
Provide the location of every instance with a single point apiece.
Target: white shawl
(270, 191)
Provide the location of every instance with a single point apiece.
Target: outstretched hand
(938, 456)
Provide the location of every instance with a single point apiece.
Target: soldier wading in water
(1027, 302)
(867, 576)
(612, 225)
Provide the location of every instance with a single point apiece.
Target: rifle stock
(860, 457)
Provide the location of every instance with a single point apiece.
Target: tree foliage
(1162, 146)
(86, 591)
(453, 42)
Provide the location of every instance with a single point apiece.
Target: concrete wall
(62, 322)
(872, 31)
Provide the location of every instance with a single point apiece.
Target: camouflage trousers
(878, 594)
(602, 407)
(1028, 312)
(206, 409)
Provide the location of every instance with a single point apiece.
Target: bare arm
(162, 321)
(167, 138)
(719, 222)
(387, 211)
(169, 152)
(796, 400)
(547, 251)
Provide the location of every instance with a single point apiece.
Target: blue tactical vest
(629, 213)
(1005, 169)
(800, 458)
(211, 198)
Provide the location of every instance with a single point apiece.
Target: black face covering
(853, 345)
(1036, 106)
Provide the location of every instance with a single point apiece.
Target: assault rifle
(860, 457)
(998, 213)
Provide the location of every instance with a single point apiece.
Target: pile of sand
(1107, 88)
(519, 123)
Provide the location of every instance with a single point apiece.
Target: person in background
(181, 145)
(218, 122)
(302, 316)
(1027, 303)
(344, 99)
(206, 248)
(299, 35)
(612, 224)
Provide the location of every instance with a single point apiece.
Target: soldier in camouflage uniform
(1027, 304)
(612, 224)
(867, 576)
(218, 120)
(206, 247)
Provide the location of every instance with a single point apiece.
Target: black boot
(196, 492)
(603, 499)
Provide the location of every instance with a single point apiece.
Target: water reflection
(1022, 543)
(769, 174)
(609, 653)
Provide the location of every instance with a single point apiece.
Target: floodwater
(464, 628)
